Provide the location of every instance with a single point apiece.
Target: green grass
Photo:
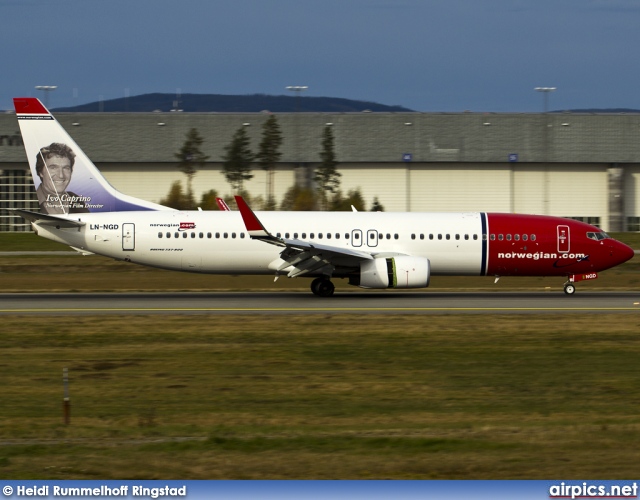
(323, 397)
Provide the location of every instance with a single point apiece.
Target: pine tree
(191, 158)
(326, 177)
(269, 154)
(237, 160)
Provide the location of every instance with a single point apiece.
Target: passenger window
(217, 235)
(395, 236)
(168, 235)
(439, 236)
(328, 236)
(209, 235)
(525, 237)
(242, 236)
(533, 237)
(448, 237)
(177, 235)
(193, 235)
(466, 236)
(312, 236)
(159, 235)
(319, 236)
(422, 236)
(500, 237)
(226, 235)
(516, 237)
(356, 236)
(184, 235)
(508, 237)
(457, 236)
(286, 235)
(295, 235)
(413, 236)
(337, 236)
(233, 235)
(431, 236)
(493, 237)
(304, 236)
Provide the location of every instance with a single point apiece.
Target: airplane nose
(624, 252)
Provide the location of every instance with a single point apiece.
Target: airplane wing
(46, 219)
(304, 256)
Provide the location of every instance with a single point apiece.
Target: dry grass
(345, 396)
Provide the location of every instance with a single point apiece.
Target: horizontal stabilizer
(45, 219)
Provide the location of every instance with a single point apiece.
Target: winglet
(222, 205)
(251, 222)
(254, 227)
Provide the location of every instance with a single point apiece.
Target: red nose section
(625, 252)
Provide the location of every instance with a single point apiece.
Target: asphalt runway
(305, 302)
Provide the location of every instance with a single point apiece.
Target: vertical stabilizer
(65, 179)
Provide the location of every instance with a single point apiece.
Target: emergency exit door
(128, 237)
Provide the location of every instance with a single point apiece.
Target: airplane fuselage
(464, 244)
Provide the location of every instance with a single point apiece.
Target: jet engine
(403, 271)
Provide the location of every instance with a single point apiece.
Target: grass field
(202, 397)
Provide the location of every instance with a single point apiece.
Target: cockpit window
(600, 235)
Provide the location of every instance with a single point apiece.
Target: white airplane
(79, 208)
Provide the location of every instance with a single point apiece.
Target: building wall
(459, 162)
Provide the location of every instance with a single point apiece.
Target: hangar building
(584, 166)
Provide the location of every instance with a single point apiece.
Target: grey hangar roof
(359, 137)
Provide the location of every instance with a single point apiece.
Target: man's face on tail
(56, 175)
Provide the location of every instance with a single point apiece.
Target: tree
(377, 206)
(326, 177)
(191, 158)
(237, 160)
(354, 198)
(298, 199)
(208, 200)
(177, 198)
(269, 154)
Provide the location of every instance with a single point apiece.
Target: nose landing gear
(569, 288)
(322, 287)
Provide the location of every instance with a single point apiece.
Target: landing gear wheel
(322, 287)
(569, 288)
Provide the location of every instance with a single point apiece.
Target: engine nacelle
(402, 271)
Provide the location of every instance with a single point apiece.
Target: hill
(255, 103)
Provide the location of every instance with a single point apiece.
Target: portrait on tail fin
(54, 167)
(66, 180)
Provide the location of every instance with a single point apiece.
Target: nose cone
(622, 252)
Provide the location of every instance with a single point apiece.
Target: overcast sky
(427, 55)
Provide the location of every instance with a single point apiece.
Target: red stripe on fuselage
(537, 245)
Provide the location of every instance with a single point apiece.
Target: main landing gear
(322, 287)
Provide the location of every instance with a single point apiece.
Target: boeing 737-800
(79, 208)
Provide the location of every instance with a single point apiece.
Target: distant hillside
(619, 111)
(232, 104)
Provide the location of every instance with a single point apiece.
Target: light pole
(546, 91)
(46, 89)
(297, 90)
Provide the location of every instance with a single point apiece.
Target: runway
(305, 303)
